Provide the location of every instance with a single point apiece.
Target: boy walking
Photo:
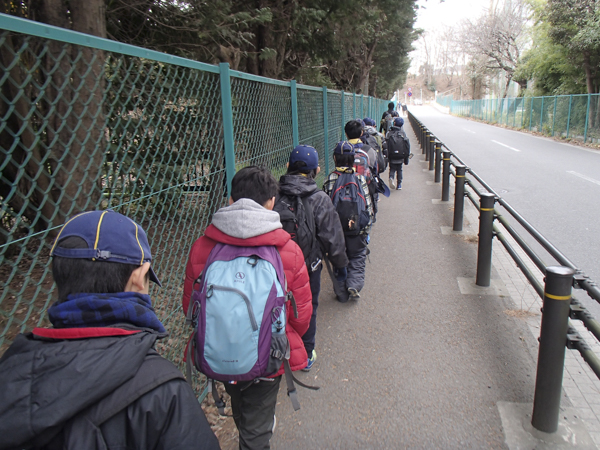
(94, 380)
(350, 195)
(249, 221)
(398, 147)
(322, 237)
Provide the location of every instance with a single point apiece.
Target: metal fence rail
(90, 123)
(568, 116)
(562, 277)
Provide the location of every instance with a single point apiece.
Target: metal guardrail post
(425, 145)
(438, 162)
(227, 113)
(553, 339)
(446, 176)
(432, 153)
(459, 197)
(486, 236)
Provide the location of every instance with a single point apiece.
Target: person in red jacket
(250, 221)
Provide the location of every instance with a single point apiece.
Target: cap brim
(154, 278)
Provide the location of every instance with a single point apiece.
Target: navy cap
(398, 121)
(110, 236)
(369, 121)
(343, 148)
(307, 154)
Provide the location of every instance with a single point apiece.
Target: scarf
(104, 310)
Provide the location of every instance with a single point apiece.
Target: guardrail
(557, 332)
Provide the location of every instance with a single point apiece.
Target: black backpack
(348, 199)
(398, 146)
(297, 219)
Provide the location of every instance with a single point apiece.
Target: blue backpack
(238, 311)
(349, 201)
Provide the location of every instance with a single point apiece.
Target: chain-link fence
(88, 123)
(568, 116)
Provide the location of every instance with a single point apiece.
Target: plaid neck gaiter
(103, 310)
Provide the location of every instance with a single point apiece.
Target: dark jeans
(253, 411)
(396, 171)
(315, 289)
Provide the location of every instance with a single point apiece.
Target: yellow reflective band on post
(486, 209)
(460, 176)
(557, 297)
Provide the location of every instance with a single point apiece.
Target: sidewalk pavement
(425, 359)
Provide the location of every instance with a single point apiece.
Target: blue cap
(398, 121)
(344, 148)
(110, 236)
(307, 154)
(369, 121)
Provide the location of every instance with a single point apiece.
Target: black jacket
(328, 227)
(51, 385)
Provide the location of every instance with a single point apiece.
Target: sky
(434, 14)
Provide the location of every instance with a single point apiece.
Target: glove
(340, 274)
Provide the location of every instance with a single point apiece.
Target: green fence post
(227, 112)
(569, 115)
(354, 105)
(343, 116)
(587, 115)
(326, 126)
(362, 105)
(523, 113)
(294, 91)
(531, 113)
(541, 130)
(554, 116)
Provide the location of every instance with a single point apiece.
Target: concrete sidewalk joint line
(448, 231)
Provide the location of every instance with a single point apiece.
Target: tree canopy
(356, 45)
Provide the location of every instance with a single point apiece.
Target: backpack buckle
(315, 265)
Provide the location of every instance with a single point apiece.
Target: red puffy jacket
(295, 272)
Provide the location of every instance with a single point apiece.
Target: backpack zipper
(241, 294)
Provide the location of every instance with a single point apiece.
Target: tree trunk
(76, 120)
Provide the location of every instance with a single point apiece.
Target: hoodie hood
(246, 219)
(297, 185)
(47, 382)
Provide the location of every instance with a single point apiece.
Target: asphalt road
(554, 185)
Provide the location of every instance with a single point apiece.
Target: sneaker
(399, 188)
(392, 183)
(311, 361)
(354, 295)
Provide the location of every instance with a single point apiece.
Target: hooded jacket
(246, 223)
(327, 222)
(53, 380)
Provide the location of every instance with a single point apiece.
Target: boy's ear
(269, 204)
(231, 202)
(318, 169)
(138, 280)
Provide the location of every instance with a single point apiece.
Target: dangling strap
(189, 359)
(290, 379)
(219, 403)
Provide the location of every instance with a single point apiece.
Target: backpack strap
(154, 371)
(291, 388)
(310, 217)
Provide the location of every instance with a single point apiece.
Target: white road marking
(469, 130)
(507, 146)
(586, 178)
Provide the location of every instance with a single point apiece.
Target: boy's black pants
(253, 411)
